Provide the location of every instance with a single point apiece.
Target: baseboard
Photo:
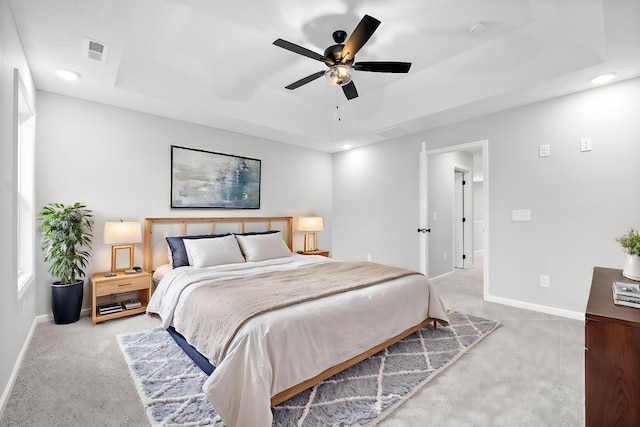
(16, 367)
(575, 315)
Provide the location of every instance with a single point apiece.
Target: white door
(424, 213)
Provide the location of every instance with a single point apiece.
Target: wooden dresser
(612, 355)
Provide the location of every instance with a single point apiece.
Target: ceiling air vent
(94, 50)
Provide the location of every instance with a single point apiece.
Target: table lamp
(121, 235)
(310, 225)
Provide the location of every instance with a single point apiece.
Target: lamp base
(308, 246)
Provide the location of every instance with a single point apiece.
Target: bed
(273, 322)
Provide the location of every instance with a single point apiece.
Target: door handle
(424, 230)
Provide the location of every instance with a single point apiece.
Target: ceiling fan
(341, 56)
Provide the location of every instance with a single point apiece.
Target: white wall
(118, 162)
(579, 201)
(440, 200)
(16, 315)
(375, 204)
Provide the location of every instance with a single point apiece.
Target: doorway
(448, 235)
(463, 248)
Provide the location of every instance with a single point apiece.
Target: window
(24, 166)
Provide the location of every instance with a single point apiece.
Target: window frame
(24, 185)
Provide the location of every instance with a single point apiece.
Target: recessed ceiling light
(346, 146)
(477, 28)
(63, 73)
(603, 78)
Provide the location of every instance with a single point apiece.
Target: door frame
(467, 213)
(424, 202)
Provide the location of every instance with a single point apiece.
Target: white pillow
(161, 271)
(214, 251)
(258, 247)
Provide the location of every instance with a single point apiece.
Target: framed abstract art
(206, 179)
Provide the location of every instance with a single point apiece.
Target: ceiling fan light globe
(339, 75)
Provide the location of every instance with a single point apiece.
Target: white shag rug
(170, 384)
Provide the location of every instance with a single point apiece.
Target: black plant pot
(66, 302)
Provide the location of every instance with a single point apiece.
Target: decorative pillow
(160, 272)
(213, 251)
(259, 247)
(179, 256)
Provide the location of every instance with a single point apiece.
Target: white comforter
(259, 362)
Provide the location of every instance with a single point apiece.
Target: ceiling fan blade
(350, 90)
(305, 80)
(360, 35)
(383, 66)
(301, 51)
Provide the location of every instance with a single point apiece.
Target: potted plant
(630, 242)
(66, 236)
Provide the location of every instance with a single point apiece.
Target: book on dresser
(627, 294)
(113, 307)
(131, 303)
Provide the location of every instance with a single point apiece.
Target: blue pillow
(179, 256)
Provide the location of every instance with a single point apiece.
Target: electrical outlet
(369, 257)
(585, 144)
(545, 281)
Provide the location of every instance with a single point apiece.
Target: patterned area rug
(170, 384)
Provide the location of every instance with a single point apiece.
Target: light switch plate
(521, 215)
(544, 150)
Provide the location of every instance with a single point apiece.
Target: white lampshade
(310, 223)
(122, 232)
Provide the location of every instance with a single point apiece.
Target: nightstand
(112, 289)
(316, 252)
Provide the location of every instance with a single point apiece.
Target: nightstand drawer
(124, 284)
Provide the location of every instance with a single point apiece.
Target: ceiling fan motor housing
(334, 53)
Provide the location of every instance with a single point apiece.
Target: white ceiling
(213, 62)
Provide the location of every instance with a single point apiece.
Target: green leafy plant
(630, 242)
(66, 234)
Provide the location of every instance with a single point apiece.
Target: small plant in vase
(630, 243)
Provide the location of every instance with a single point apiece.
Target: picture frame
(207, 179)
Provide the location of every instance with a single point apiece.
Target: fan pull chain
(338, 103)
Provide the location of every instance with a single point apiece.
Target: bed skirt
(202, 362)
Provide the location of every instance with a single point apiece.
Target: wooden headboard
(156, 229)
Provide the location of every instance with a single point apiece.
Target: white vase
(632, 267)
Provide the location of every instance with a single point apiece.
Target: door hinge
(464, 219)
(464, 257)
(464, 182)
